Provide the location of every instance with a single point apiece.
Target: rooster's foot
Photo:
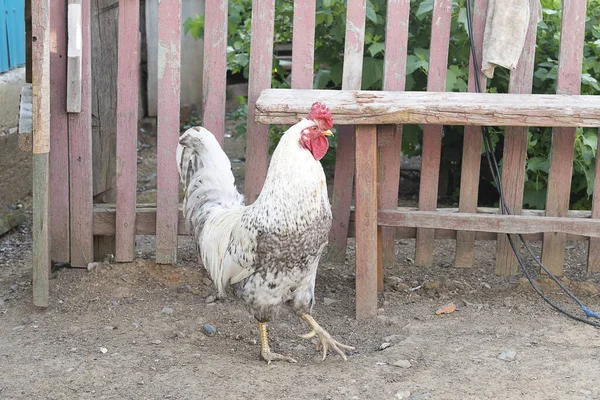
(265, 351)
(325, 340)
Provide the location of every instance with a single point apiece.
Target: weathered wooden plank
(286, 106)
(169, 81)
(41, 148)
(80, 157)
(261, 61)
(515, 150)
(11, 220)
(341, 198)
(594, 245)
(490, 223)
(145, 223)
(368, 234)
(127, 119)
(563, 139)
(471, 157)
(60, 249)
(74, 38)
(303, 44)
(25, 140)
(215, 67)
(390, 136)
(345, 154)
(432, 134)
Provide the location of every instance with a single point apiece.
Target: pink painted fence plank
(261, 61)
(563, 139)
(80, 160)
(303, 44)
(471, 157)
(594, 246)
(59, 137)
(515, 151)
(390, 136)
(215, 67)
(127, 119)
(432, 134)
(344, 168)
(169, 67)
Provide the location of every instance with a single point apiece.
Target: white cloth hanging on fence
(505, 31)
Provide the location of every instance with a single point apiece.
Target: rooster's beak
(327, 133)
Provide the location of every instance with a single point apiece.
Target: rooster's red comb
(321, 114)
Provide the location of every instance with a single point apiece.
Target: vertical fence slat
(261, 62)
(368, 234)
(344, 167)
(515, 150)
(59, 137)
(215, 67)
(41, 148)
(432, 134)
(169, 80)
(127, 117)
(74, 56)
(563, 139)
(594, 245)
(80, 155)
(303, 44)
(390, 136)
(471, 157)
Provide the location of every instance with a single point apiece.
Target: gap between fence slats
(169, 82)
(432, 134)
(261, 63)
(127, 120)
(563, 139)
(368, 233)
(594, 245)
(59, 139)
(515, 150)
(80, 156)
(390, 136)
(471, 156)
(303, 44)
(344, 163)
(215, 67)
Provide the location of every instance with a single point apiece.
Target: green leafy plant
(329, 54)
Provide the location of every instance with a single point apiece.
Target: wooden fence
(369, 141)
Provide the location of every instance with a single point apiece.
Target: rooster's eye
(314, 128)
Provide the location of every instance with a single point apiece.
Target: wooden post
(261, 61)
(74, 57)
(432, 134)
(59, 138)
(368, 233)
(515, 150)
(594, 245)
(471, 157)
(390, 136)
(303, 44)
(344, 167)
(80, 156)
(41, 148)
(169, 66)
(127, 120)
(215, 67)
(563, 139)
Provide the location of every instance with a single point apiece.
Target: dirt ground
(135, 331)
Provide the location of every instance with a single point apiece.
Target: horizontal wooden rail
(491, 223)
(145, 224)
(288, 106)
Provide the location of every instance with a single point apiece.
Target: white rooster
(269, 251)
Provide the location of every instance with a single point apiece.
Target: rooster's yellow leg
(325, 339)
(265, 351)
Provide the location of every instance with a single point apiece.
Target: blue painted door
(12, 34)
